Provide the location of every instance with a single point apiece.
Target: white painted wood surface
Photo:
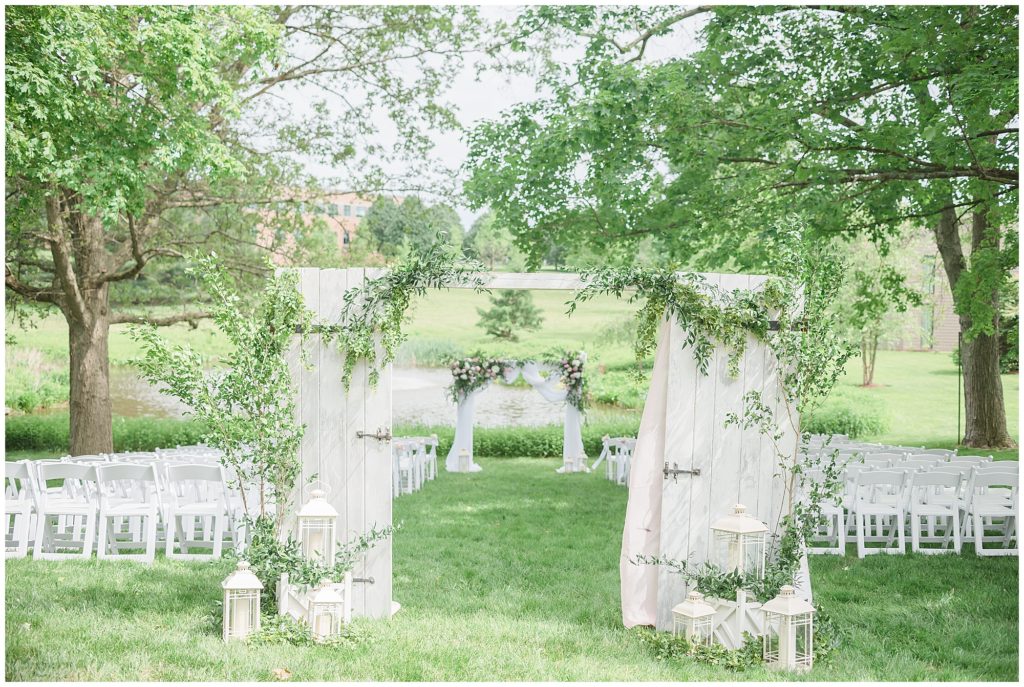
(736, 465)
(567, 281)
(356, 471)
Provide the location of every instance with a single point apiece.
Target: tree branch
(192, 317)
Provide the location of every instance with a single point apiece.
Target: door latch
(675, 471)
(379, 435)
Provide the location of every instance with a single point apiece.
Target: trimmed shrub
(49, 433)
(842, 414)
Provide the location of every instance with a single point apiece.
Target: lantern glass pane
(241, 613)
(316, 536)
(326, 620)
(742, 552)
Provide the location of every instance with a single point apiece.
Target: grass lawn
(507, 574)
(917, 392)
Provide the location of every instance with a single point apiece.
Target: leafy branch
(380, 306)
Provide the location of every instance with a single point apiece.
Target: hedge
(49, 433)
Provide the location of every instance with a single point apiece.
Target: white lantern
(317, 522)
(326, 611)
(464, 460)
(241, 603)
(692, 619)
(789, 631)
(740, 542)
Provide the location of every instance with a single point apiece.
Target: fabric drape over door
(642, 531)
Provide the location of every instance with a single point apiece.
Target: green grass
(507, 574)
(918, 392)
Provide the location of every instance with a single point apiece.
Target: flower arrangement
(472, 373)
(570, 366)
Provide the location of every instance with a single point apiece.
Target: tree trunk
(983, 388)
(91, 424)
(868, 354)
(983, 393)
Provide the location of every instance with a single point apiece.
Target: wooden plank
(726, 442)
(706, 434)
(676, 493)
(756, 448)
(377, 486)
(293, 357)
(567, 281)
(331, 399)
(309, 386)
(355, 473)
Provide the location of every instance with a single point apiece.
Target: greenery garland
(381, 305)
(707, 314)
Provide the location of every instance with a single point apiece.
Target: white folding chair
(195, 492)
(73, 505)
(943, 453)
(20, 496)
(1011, 466)
(936, 496)
(992, 496)
(970, 460)
(127, 492)
(879, 494)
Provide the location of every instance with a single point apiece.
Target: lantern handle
(316, 485)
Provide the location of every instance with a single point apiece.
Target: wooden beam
(568, 281)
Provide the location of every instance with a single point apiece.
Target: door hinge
(675, 471)
(379, 435)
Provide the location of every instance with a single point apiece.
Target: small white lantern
(241, 603)
(692, 619)
(326, 611)
(464, 460)
(740, 542)
(317, 523)
(789, 631)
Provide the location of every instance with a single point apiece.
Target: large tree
(853, 120)
(393, 228)
(141, 134)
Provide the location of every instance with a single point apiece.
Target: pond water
(419, 396)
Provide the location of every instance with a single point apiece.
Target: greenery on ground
(507, 574)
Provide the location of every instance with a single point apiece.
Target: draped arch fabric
(550, 388)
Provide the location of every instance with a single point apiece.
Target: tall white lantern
(693, 619)
(241, 603)
(789, 631)
(465, 461)
(740, 542)
(318, 521)
(326, 611)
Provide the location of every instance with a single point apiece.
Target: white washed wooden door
(735, 465)
(356, 469)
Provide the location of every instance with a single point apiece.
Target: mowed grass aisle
(508, 574)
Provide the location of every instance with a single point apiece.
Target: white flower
(576, 363)
(464, 376)
(495, 369)
(575, 375)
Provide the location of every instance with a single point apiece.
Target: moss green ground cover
(508, 574)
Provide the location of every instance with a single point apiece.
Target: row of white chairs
(112, 503)
(414, 462)
(888, 488)
(616, 454)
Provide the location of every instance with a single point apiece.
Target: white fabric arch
(573, 456)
